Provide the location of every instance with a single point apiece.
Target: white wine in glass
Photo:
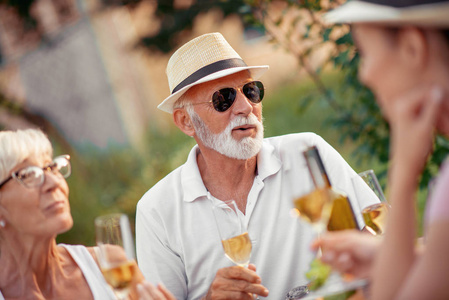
(325, 208)
(375, 215)
(116, 252)
(233, 233)
(314, 208)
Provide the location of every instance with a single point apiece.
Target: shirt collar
(191, 181)
(268, 163)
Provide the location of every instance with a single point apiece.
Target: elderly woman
(404, 47)
(34, 209)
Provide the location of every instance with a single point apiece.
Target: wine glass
(115, 252)
(233, 233)
(374, 215)
(315, 208)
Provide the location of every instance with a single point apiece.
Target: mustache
(241, 121)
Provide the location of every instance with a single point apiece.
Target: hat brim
(256, 73)
(428, 15)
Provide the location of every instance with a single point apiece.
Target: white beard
(223, 142)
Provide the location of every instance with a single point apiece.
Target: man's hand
(236, 283)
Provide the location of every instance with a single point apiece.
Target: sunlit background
(90, 73)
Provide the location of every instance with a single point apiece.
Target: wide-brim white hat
(426, 13)
(205, 58)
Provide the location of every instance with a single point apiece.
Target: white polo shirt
(177, 239)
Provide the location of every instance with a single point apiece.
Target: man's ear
(414, 48)
(183, 121)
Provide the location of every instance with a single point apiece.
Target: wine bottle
(342, 215)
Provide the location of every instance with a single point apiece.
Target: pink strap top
(438, 203)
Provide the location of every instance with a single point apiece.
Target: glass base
(334, 285)
(297, 292)
(121, 294)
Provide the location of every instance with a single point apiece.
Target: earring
(2, 223)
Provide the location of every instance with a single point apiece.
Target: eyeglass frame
(16, 176)
(237, 88)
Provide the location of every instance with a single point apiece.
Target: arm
(413, 118)
(427, 278)
(156, 259)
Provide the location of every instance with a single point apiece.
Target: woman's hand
(349, 251)
(147, 291)
(413, 118)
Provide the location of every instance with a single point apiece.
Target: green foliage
(113, 181)
(356, 116)
(317, 274)
(175, 21)
(106, 182)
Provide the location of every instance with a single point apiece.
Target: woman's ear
(414, 48)
(183, 121)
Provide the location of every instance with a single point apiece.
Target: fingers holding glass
(115, 253)
(375, 215)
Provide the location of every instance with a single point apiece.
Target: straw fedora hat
(431, 13)
(203, 59)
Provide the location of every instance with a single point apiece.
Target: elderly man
(216, 100)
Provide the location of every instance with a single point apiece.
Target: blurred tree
(23, 8)
(174, 16)
(297, 26)
(15, 108)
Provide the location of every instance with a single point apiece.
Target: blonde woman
(34, 209)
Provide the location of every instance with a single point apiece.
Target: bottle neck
(316, 168)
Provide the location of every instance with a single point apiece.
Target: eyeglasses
(223, 99)
(33, 176)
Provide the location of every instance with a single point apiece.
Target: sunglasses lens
(254, 91)
(223, 99)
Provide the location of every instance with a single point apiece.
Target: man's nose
(242, 104)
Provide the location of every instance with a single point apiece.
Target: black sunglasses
(223, 99)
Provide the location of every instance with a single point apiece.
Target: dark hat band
(210, 69)
(403, 3)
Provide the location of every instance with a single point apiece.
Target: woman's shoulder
(78, 252)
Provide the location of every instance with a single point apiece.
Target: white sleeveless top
(98, 285)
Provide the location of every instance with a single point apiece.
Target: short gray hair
(183, 101)
(17, 146)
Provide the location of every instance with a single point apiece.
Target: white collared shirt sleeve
(156, 259)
